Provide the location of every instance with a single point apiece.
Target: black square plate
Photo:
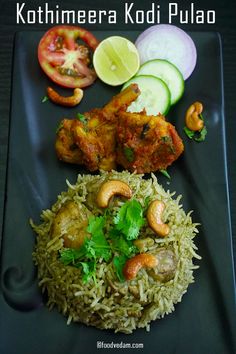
(204, 322)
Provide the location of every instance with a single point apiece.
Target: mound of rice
(109, 303)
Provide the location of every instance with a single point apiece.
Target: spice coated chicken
(104, 138)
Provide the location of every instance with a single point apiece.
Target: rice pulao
(108, 265)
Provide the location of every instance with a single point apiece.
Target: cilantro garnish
(119, 262)
(200, 136)
(118, 243)
(81, 118)
(59, 127)
(98, 244)
(189, 133)
(166, 139)
(72, 255)
(89, 271)
(197, 136)
(146, 203)
(129, 153)
(92, 249)
(165, 173)
(121, 245)
(129, 219)
(44, 99)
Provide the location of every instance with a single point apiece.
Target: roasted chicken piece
(104, 137)
(146, 143)
(70, 223)
(65, 146)
(90, 140)
(96, 140)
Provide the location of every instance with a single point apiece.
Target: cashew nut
(69, 101)
(192, 120)
(134, 264)
(111, 188)
(154, 214)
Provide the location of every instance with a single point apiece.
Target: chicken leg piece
(90, 140)
(146, 143)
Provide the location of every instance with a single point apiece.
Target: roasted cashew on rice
(69, 101)
(154, 218)
(161, 265)
(192, 119)
(134, 264)
(111, 188)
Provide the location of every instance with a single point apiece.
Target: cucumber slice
(167, 72)
(154, 97)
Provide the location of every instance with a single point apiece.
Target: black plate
(204, 322)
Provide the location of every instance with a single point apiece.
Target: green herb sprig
(118, 244)
(197, 136)
(44, 99)
(165, 173)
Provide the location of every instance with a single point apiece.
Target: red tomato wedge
(63, 59)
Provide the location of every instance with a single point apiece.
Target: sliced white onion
(168, 42)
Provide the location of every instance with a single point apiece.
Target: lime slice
(116, 60)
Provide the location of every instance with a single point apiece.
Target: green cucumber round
(154, 98)
(167, 72)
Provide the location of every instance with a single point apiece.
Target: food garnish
(45, 99)
(170, 43)
(116, 60)
(94, 248)
(134, 264)
(119, 262)
(195, 128)
(165, 173)
(81, 118)
(64, 60)
(154, 218)
(110, 189)
(69, 101)
(126, 226)
(129, 219)
(155, 95)
(168, 73)
(129, 153)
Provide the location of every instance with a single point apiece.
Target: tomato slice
(63, 59)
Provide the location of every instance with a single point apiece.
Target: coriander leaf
(82, 118)
(98, 245)
(119, 244)
(96, 225)
(129, 219)
(146, 203)
(165, 173)
(71, 255)
(189, 132)
(129, 153)
(201, 117)
(166, 139)
(59, 127)
(197, 136)
(44, 99)
(119, 262)
(201, 135)
(90, 250)
(89, 271)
